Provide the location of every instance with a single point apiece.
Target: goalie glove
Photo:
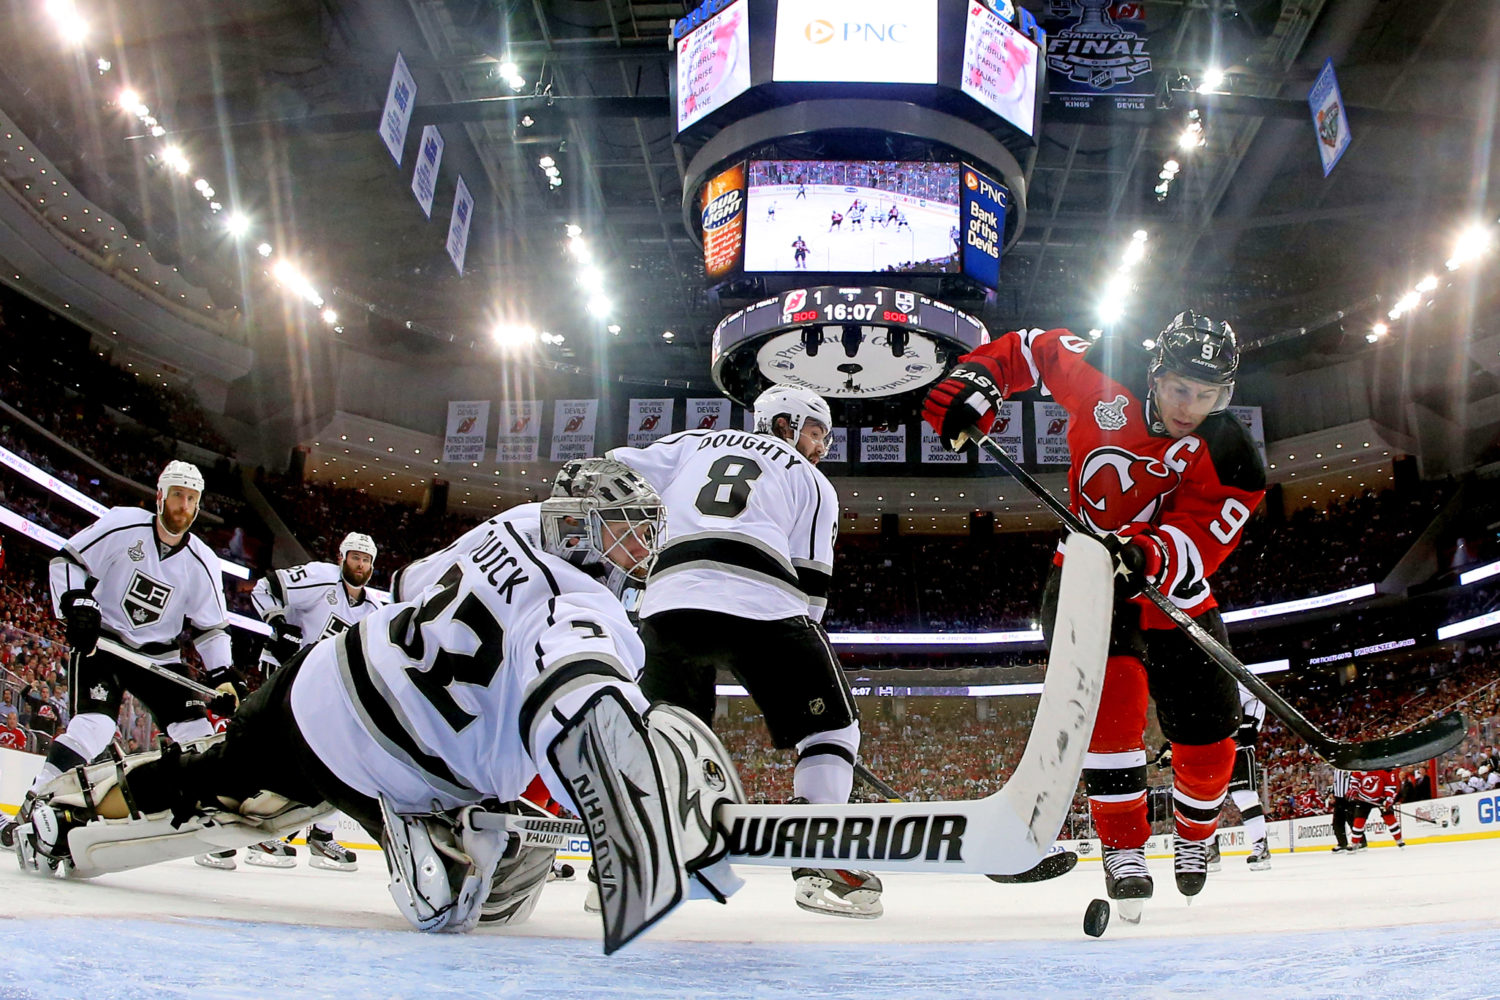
(968, 396)
(1141, 557)
(81, 620)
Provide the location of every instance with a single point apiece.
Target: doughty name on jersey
(758, 443)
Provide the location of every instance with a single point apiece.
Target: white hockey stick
(1006, 833)
(130, 656)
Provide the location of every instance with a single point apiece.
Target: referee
(1343, 810)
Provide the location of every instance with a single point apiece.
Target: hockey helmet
(178, 473)
(797, 403)
(587, 493)
(357, 542)
(1194, 347)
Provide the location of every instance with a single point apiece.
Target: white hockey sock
(325, 826)
(825, 765)
(193, 729)
(88, 733)
(1248, 803)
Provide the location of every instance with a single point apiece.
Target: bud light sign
(723, 220)
(982, 204)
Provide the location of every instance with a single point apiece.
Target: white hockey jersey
(456, 696)
(313, 598)
(750, 525)
(146, 598)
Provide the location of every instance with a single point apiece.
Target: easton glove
(1141, 557)
(968, 396)
(81, 620)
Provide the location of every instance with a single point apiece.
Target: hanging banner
(573, 428)
(1251, 417)
(882, 444)
(838, 445)
(1097, 57)
(468, 427)
(935, 452)
(707, 414)
(458, 225)
(400, 98)
(1051, 433)
(519, 430)
(1330, 120)
(424, 178)
(1008, 432)
(650, 419)
(982, 202)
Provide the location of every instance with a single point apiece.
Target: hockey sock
(1359, 827)
(323, 826)
(192, 729)
(1201, 775)
(1114, 769)
(1392, 824)
(87, 735)
(1248, 803)
(825, 765)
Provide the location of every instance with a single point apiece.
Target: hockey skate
(1260, 858)
(8, 833)
(42, 837)
(271, 854)
(1127, 880)
(842, 892)
(1190, 864)
(221, 860)
(1215, 861)
(326, 853)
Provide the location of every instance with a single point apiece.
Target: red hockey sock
(1201, 777)
(1392, 824)
(1114, 769)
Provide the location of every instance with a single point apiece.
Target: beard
(356, 577)
(176, 525)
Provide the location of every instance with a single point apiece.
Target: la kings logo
(335, 626)
(145, 600)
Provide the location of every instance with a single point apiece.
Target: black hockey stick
(1424, 743)
(1049, 867)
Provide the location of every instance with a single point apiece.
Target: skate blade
(869, 911)
(217, 864)
(1130, 910)
(271, 860)
(1260, 866)
(329, 865)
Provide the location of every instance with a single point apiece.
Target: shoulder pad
(1125, 363)
(1233, 452)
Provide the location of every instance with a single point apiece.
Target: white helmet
(589, 491)
(356, 542)
(1464, 772)
(179, 474)
(796, 403)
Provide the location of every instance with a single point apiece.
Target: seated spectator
(11, 733)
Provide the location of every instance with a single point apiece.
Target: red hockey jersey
(1373, 786)
(1198, 490)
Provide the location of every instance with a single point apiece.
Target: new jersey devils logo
(466, 425)
(1118, 486)
(709, 422)
(649, 423)
(573, 424)
(519, 424)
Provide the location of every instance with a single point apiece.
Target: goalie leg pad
(517, 885)
(441, 866)
(699, 777)
(604, 754)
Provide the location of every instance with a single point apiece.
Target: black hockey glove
(968, 396)
(1141, 557)
(286, 639)
(81, 620)
(230, 684)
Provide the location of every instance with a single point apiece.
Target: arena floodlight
(600, 306)
(1213, 79)
(237, 224)
(264, 249)
(128, 99)
(1472, 243)
(330, 317)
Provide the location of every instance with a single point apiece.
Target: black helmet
(1195, 347)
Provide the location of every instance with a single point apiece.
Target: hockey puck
(1096, 918)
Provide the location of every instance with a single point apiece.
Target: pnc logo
(970, 180)
(818, 32)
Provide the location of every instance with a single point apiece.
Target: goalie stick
(1423, 743)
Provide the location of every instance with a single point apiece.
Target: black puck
(1096, 918)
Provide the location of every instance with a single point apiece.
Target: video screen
(851, 216)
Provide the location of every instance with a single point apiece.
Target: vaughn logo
(937, 837)
(1111, 416)
(145, 599)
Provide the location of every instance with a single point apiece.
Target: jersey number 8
(728, 488)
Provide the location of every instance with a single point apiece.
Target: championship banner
(934, 451)
(1008, 432)
(519, 430)
(573, 428)
(982, 202)
(1330, 120)
(838, 445)
(400, 98)
(1051, 433)
(1097, 57)
(424, 178)
(1251, 417)
(707, 414)
(650, 419)
(882, 444)
(723, 222)
(468, 427)
(713, 63)
(458, 225)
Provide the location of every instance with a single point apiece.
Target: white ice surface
(1418, 923)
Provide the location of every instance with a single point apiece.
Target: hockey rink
(870, 247)
(1419, 922)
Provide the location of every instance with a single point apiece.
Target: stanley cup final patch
(145, 600)
(1111, 416)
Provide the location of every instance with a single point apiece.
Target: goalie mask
(356, 542)
(187, 476)
(602, 513)
(1195, 348)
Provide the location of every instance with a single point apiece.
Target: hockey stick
(1059, 862)
(130, 656)
(1008, 832)
(1424, 743)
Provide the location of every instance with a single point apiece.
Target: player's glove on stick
(81, 620)
(1141, 557)
(968, 396)
(286, 639)
(231, 687)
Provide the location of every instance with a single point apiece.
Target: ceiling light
(668, 336)
(1148, 344)
(104, 65)
(614, 328)
(1111, 311)
(513, 335)
(508, 69)
(237, 224)
(574, 231)
(264, 249)
(175, 158)
(1427, 284)
(330, 317)
(546, 162)
(1472, 242)
(600, 306)
(1212, 79)
(527, 121)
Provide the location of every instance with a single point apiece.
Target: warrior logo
(334, 627)
(1111, 416)
(1116, 487)
(144, 601)
(137, 552)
